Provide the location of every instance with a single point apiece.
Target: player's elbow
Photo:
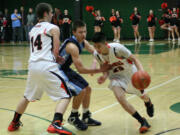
(81, 70)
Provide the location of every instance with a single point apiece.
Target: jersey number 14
(36, 43)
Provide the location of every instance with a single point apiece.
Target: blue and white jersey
(67, 57)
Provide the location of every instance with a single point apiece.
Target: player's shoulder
(116, 45)
(71, 47)
(50, 25)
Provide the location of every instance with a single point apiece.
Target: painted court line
(150, 89)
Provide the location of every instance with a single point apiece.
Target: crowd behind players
(169, 21)
(16, 26)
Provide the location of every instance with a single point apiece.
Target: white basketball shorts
(45, 76)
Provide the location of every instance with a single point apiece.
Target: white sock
(85, 110)
(74, 110)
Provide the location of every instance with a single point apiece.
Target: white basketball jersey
(41, 42)
(118, 58)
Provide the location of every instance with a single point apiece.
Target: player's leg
(29, 93)
(16, 123)
(57, 89)
(77, 85)
(120, 96)
(74, 116)
(86, 113)
(148, 104)
(56, 125)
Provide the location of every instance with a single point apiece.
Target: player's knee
(88, 89)
(121, 100)
(25, 100)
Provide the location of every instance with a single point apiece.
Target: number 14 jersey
(41, 42)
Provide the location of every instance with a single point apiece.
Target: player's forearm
(138, 64)
(56, 51)
(105, 74)
(83, 70)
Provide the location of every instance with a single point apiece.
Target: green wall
(62, 4)
(125, 7)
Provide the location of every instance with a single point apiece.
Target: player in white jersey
(44, 74)
(124, 65)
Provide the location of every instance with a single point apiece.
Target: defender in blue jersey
(70, 51)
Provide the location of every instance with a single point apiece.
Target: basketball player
(70, 51)
(124, 64)
(44, 74)
(135, 18)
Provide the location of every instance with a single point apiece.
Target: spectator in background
(112, 20)
(117, 26)
(151, 19)
(7, 27)
(98, 21)
(1, 26)
(166, 23)
(30, 22)
(174, 24)
(23, 24)
(57, 19)
(16, 25)
(135, 18)
(66, 24)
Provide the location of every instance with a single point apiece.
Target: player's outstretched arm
(136, 62)
(74, 52)
(88, 47)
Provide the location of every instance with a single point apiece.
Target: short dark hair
(99, 37)
(41, 8)
(77, 24)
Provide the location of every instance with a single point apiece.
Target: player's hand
(105, 67)
(101, 80)
(60, 60)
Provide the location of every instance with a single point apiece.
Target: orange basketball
(141, 80)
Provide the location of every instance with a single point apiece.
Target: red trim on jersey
(108, 45)
(62, 86)
(38, 25)
(44, 32)
(129, 61)
(119, 58)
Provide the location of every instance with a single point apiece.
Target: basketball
(141, 80)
